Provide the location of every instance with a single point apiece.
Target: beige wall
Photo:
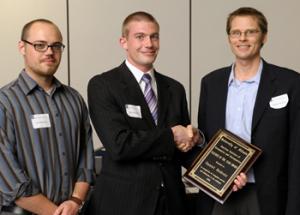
(209, 44)
(94, 27)
(13, 15)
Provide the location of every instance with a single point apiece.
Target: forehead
(244, 22)
(142, 27)
(44, 32)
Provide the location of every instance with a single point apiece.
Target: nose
(148, 41)
(49, 50)
(243, 36)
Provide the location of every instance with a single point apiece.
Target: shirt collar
(31, 84)
(254, 79)
(138, 74)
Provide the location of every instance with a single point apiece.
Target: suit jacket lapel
(221, 102)
(163, 98)
(133, 93)
(264, 95)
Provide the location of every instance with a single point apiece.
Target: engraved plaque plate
(220, 162)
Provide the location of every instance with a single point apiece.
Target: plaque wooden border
(215, 168)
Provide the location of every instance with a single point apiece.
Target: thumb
(58, 211)
(190, 130)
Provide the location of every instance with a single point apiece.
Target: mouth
(149, 53)
(243, 46)
(49, 60)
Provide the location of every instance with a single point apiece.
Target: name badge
(40, 121)
(133, 111)
(278, 102)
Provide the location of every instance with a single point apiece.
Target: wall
(13, 15)
(193, 38)
(210, 49)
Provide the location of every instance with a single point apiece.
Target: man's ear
(264, 39)
(21, 47)
(123, 43)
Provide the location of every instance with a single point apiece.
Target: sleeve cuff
(203, 143)
(23, 189)
(86, 175)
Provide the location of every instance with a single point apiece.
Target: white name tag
(279, 101)
(133, 111)
(40, 121)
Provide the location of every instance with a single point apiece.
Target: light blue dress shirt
(239, 108)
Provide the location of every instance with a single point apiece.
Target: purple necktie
(150, 96)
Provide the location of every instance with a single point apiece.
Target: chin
(147, 62)
(49, 72)
(150, 60)
(243, 56)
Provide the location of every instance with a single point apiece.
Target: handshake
(186, 138)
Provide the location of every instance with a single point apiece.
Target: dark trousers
(162, 206)
(242, 202)
(13, 210)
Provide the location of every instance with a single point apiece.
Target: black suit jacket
(139, 155)
(275, 131)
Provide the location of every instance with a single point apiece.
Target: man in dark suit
(259, 102)
(144, 129)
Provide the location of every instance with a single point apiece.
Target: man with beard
(46, 149)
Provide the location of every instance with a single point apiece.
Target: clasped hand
(186, 138)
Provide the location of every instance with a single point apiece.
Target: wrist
(78, 201)
(174, 130)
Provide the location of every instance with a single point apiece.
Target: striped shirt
(45, 141)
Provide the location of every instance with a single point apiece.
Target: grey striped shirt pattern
(51, 157)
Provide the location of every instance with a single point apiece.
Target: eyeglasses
(247, 33)
(42, 46)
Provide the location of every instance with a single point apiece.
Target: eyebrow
(155, 33)
(43, 41)
(245, 29)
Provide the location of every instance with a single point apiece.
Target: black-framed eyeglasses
(42, 46)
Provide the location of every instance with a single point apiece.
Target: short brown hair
(26, 28)
(248, 11)
(137, 16)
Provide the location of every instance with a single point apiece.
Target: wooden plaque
(220, 162)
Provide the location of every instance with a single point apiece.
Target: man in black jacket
(259, 102)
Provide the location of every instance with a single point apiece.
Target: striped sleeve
(85, 170)
(14, 183)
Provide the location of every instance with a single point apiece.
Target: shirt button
(63, 153)
(60, 134)
(66, 174)
(56, 114)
